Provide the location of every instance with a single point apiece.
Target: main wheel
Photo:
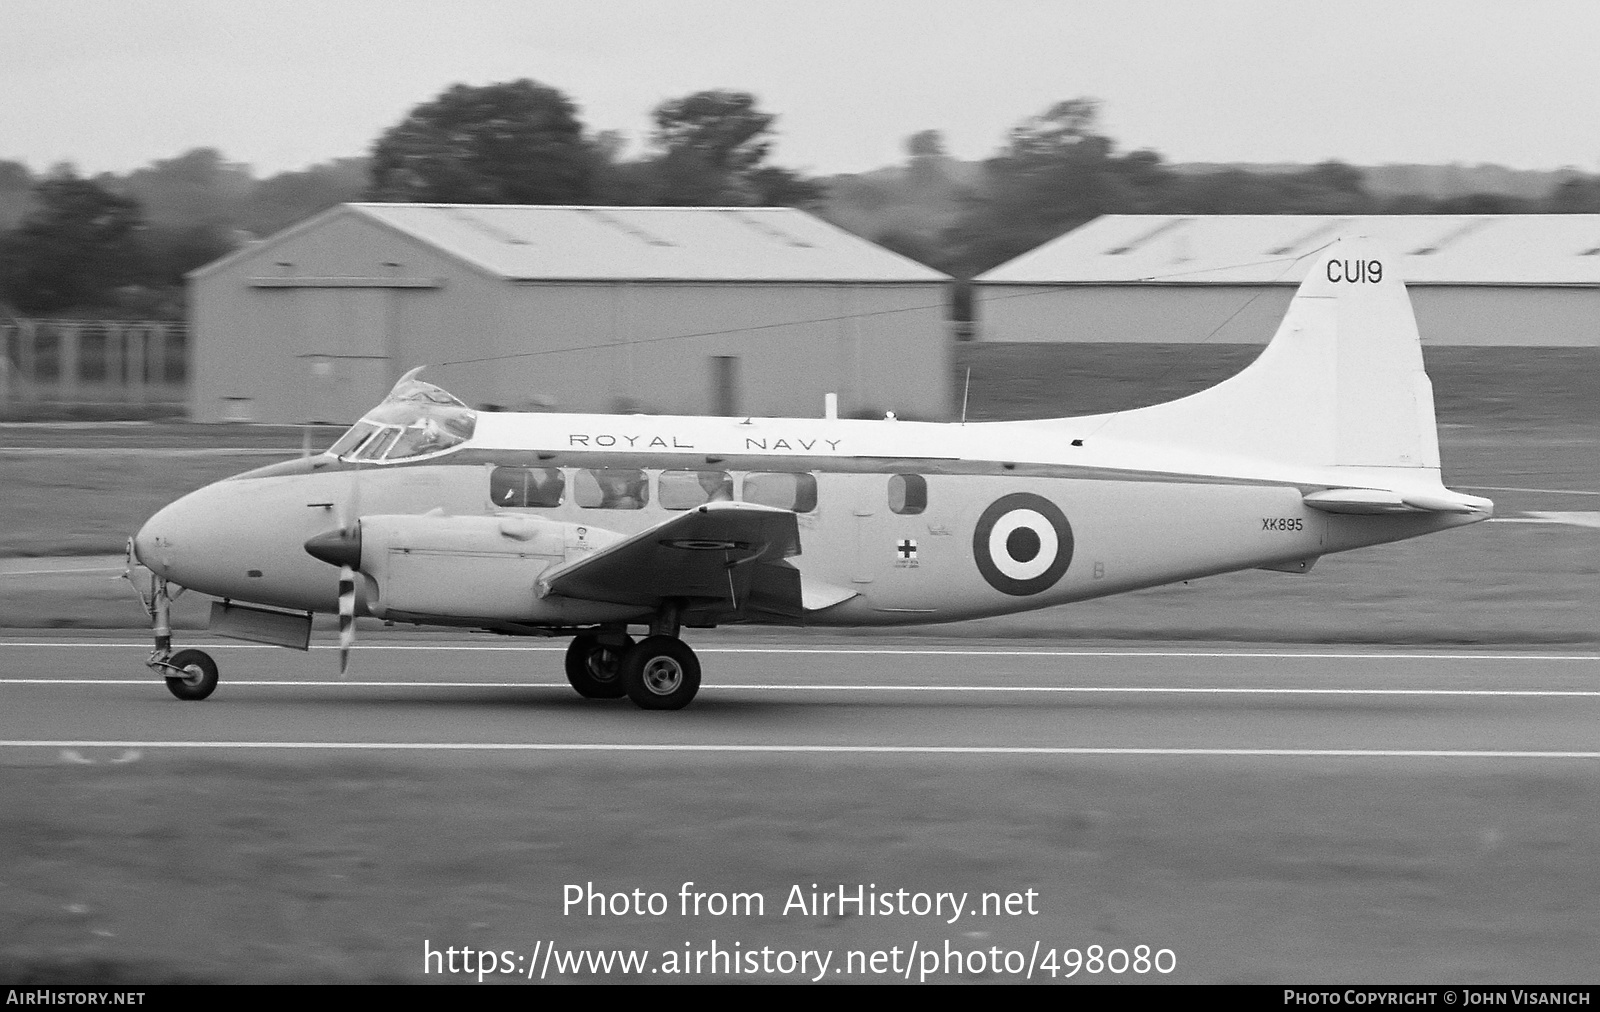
(595, 669)
(199, 678)
(661, 673)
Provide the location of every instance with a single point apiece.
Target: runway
(796, 693)
(1263, 812)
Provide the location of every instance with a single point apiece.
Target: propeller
(342, 547)
(347, 615)
(350, 531)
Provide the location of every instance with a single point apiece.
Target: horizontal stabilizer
(1382, 500)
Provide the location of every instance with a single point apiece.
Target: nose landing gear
(190, 674)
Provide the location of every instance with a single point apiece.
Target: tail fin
(1341, 383)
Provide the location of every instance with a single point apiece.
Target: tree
(16, 192)
(79, 243)
(197, 188)
(710, 149)
(518, 142)
(288, 197)
(1056, 172)
(1576, 195)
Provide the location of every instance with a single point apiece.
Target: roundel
(1022, 544)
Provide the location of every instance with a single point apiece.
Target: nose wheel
(196, 676)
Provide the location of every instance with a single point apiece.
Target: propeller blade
(347, 615)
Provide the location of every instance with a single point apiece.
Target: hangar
(1476, 280)
(729, 310)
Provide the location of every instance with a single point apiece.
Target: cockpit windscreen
(416, 419)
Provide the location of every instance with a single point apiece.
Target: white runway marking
(849, 651)
(757, 687)
(1544, 491)
(367, 746)
(1565, 518)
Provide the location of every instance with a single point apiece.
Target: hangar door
(346, 354)
(341, 332)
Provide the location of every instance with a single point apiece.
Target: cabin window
(520, 487)
(908, 494)
(611, 488)
(684, 490)
(784, 489)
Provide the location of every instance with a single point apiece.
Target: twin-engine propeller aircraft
(590, 526)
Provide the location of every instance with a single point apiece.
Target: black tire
(661, 673)
(595, 669)
(199, 678)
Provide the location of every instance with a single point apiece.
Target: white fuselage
(1004, 516)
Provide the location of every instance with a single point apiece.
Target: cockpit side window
(355, 437)
(377, 446)
(421, 436)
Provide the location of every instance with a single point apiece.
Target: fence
(92, 362)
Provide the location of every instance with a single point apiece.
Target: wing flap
(724, 552)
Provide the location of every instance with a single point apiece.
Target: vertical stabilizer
(1341, 383)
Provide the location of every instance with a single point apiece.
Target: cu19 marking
(1022, 544)
(1355, 271)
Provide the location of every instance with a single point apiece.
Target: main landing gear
(190, 675)
(659, 672)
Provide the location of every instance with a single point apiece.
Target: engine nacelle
(475, 567)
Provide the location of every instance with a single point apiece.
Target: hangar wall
(318, 322)
(629, 346)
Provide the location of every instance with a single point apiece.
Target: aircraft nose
(154, 545)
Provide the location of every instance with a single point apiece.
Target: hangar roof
(520, 242)
(1254, 249)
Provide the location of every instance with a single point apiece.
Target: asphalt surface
(796, 693)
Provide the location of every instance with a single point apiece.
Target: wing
(723, 561)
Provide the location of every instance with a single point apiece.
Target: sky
(115, 84)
